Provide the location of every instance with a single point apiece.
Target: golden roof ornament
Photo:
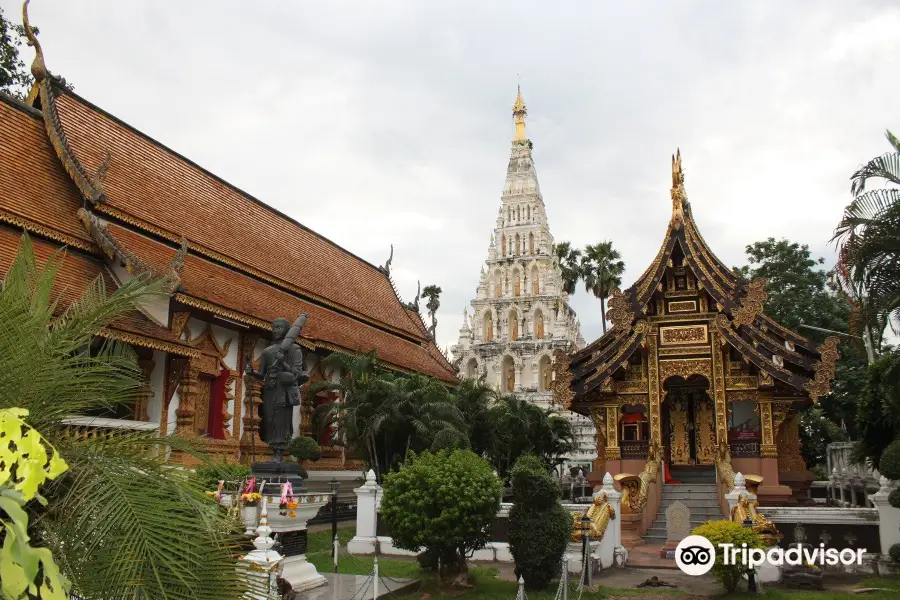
(679, 196)
(38, 66)
(519, 112)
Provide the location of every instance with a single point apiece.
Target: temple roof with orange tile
(244, 257)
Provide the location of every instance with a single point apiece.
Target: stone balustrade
(850, 483)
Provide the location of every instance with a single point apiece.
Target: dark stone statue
(281, 369)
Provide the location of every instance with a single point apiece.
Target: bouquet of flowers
(251, 499)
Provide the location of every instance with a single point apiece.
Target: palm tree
(868, 238)
(120, 523)
(474, 399)
(360, 412)
(433, 293)
(601, 269)
(381, 416)
(568, 258)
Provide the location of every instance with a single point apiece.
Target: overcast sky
(389, 122)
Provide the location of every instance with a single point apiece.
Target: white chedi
(520, 314)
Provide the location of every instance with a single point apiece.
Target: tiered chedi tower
(521, 313)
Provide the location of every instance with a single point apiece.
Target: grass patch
(488, 587)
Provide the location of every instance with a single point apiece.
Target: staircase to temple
(702, 499)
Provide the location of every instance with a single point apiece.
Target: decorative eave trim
(786, 333)
(727, 276)
(148, 342)
(46, 232)
(751, 305)
(581, 365)
(641, 329)
(110, 246)
(241, 267)
(820, 385)
(90, 186)
(232, 315)
(704, 278)
(641, 295)
(723, 324)
(308, 343)
(779, 349)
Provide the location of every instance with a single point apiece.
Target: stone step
(656, 531)
(690, 503)
(704, 512)
(655, 540)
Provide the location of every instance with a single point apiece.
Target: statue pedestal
(292, 531)
(278, 473)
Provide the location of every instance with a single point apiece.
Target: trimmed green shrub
(450, 439)
(305, 448)
(894, 552)
(728, 532)
(443, 503)
(889, 463)
(209, 475)
(894, 498)
(539, 527)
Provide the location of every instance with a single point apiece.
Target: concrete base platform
(348, 587)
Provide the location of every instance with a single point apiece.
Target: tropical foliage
(568, 259)
(15, 79)
(384, 417)
(433, 294)
(444, 502)
(25, 465)
(599, 266)
(119, 522)
(879, 408)
(729, 532)
(539, 526)
(868, 239)
(802, 297)
(601, 270)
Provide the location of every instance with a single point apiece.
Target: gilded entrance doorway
(688, 421)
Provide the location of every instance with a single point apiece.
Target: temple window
(503, 243)
(535, 281)
(517, 290)
(471, 368)
(488, 327)
(634, 431)
(508, 375)
(538, 324)
(544, 376)
(531, 244)
(513, 326)
(744, 431)
(518, 241)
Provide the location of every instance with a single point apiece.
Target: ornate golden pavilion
(695, 371)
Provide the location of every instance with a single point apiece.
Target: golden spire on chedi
(519, 112)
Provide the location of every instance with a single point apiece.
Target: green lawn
(488, 587)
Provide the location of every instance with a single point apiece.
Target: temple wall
(747, 466)
(633, 466)
(157, 388)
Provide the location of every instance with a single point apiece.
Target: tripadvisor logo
(696, 555)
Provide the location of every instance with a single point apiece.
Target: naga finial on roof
(679, 196)
(38, 66)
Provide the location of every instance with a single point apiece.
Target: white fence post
(367, 498)
(612, 537)
(888, 516)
